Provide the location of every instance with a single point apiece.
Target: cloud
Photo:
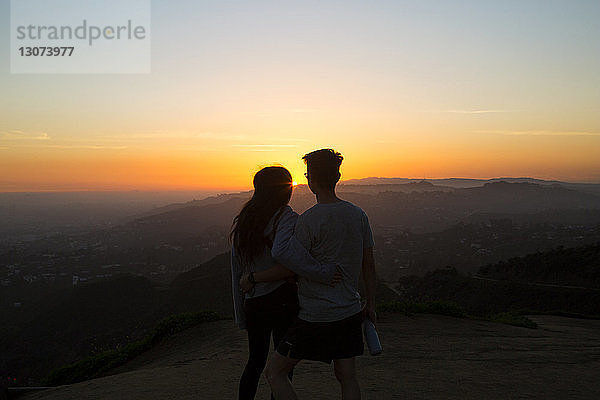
(539, 133)
(551, 133)
(218, 136)
(476, 111)
(304, 110)
(261, 150)
(287, 139)
(167, 134)
(86, 147)
(20, 135)
(283, 110)
(264, 145)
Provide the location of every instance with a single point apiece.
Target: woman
(270, 307)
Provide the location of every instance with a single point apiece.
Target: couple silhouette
(295, 278)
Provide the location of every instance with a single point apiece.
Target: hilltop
(425, 356)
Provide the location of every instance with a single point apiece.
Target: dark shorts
(323, 341)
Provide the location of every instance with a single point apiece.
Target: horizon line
(242, 189)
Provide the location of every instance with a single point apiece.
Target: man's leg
(281, 322)
(276, 372)
(345, 372)
(280, 327)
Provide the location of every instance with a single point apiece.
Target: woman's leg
(259, 336)
(272, 313)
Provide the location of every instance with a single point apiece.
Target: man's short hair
(324, 166)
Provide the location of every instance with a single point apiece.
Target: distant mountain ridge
(416, 186)
(219, 198)
(419, 205)
(471, 182)
(374, 185)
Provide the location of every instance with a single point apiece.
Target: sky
(418, 89)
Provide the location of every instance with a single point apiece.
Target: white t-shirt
(333, 233)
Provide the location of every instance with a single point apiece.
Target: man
(328, 327)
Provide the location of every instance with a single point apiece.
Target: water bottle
(372, 337)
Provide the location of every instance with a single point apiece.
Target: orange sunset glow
(406, 93)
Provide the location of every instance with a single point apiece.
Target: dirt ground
(425, 357)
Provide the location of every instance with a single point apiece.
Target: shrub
(429, 307)
(451, 309)
(96, 365)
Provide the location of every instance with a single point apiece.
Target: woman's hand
(245, 283)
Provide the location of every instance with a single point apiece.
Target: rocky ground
(425, 357)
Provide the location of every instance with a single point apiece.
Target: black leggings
(272, 313)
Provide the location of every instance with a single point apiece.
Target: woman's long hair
(272, 190)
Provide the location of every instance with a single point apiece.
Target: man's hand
(370, 313)
(245, 283)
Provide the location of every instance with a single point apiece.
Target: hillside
(485, 297)
(577, 266)
(420, 207)
(425, 357)
(68, 325)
